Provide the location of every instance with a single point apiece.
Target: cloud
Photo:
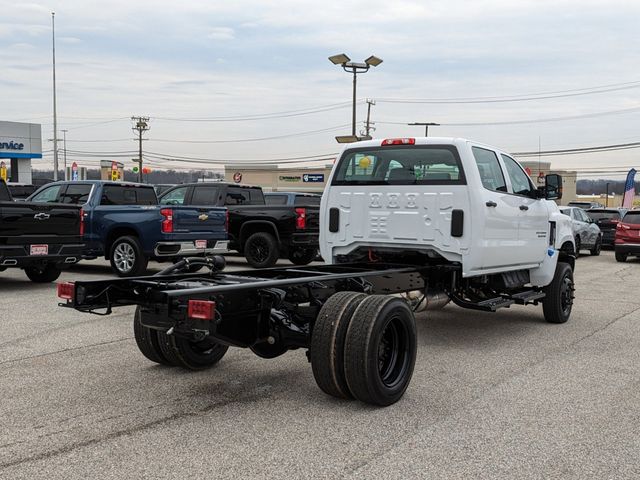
(221, 33)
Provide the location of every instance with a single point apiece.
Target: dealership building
(274, 179)
(19, 143)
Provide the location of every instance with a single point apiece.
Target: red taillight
(398, 141)
(81, 222)
(167, 223)
(66, 290)
(202, 309)
(301, 218)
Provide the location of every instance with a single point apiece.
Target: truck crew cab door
(498, 221)
(533, 216)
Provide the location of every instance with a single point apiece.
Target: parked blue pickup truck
(125, 224)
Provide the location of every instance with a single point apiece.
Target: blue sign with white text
(313, 177)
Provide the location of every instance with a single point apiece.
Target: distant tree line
(155, 177)
(597, 187)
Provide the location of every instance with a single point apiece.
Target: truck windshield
(415, 165)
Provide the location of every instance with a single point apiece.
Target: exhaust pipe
(420, 301)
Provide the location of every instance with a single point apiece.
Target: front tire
(261, 250)
(558, 301)
(380, 350)
(127, 258)
(45, 274)
(302, 256)
(327, 343)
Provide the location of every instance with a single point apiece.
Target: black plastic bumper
(19, 255)
(628, 248)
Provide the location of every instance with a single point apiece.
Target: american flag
(629, 189)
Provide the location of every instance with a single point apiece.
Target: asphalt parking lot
(501, 395)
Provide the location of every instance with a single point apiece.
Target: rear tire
(261, 250)
(578, 246)
(380, 350)
(302, 256)
(45, 274)
(558, 301)
(191, 355)
(327, 343)
(127, 258)
(147, 341)
(621, 257)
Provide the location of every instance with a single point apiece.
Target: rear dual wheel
(170, 350)
(364, 347)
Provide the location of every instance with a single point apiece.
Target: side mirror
(553, 187)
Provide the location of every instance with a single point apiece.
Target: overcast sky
(219, 59)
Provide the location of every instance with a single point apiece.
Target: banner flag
(629, 189)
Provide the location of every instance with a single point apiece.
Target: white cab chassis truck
(406, 223)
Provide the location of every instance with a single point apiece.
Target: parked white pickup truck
(464, 206)
(447, 218)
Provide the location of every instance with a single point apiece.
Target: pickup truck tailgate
(50, 220)
(196, 222)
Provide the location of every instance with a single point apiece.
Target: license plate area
(39, 250)
(201, 244)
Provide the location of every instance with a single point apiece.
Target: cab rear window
(415, 165)
(128, 195)
(632, 218)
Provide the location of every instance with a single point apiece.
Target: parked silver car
(586, 233)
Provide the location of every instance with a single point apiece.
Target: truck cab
(446, 200)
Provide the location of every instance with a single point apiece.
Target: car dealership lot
(493, 395)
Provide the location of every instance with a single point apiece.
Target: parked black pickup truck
(262, 233)
(39, 238)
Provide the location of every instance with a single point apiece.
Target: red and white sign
(39, 250)
(201, 244)
(237, 177)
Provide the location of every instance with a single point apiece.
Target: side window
(237, 196)
(207, 196)
(275, 199)
(490, 170)
(520, 182)
(76, 194)
(174, 197)
(48, 195)
(583, 216)
(257, 197)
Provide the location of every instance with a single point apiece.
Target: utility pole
(425, 125)
(141, 125)
(606, 198)
(368, 124)
(55, 115)
(64, 146)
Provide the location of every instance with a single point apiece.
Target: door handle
(491, 204)
(524, 207)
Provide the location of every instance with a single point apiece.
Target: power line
(521, 97)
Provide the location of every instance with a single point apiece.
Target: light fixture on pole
(426, 126)
(354, 68)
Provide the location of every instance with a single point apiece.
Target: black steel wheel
(380, 350)
(127, 258)
(558, 301)
(621, 257)
(327, 342)
(302, 256)
(147, 341)
(261, 250)
(191, 355)
(595, 251)
(43, 274)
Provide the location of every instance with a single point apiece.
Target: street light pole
(55, 115)
(354, 68)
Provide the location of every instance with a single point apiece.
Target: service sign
(313, 177)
